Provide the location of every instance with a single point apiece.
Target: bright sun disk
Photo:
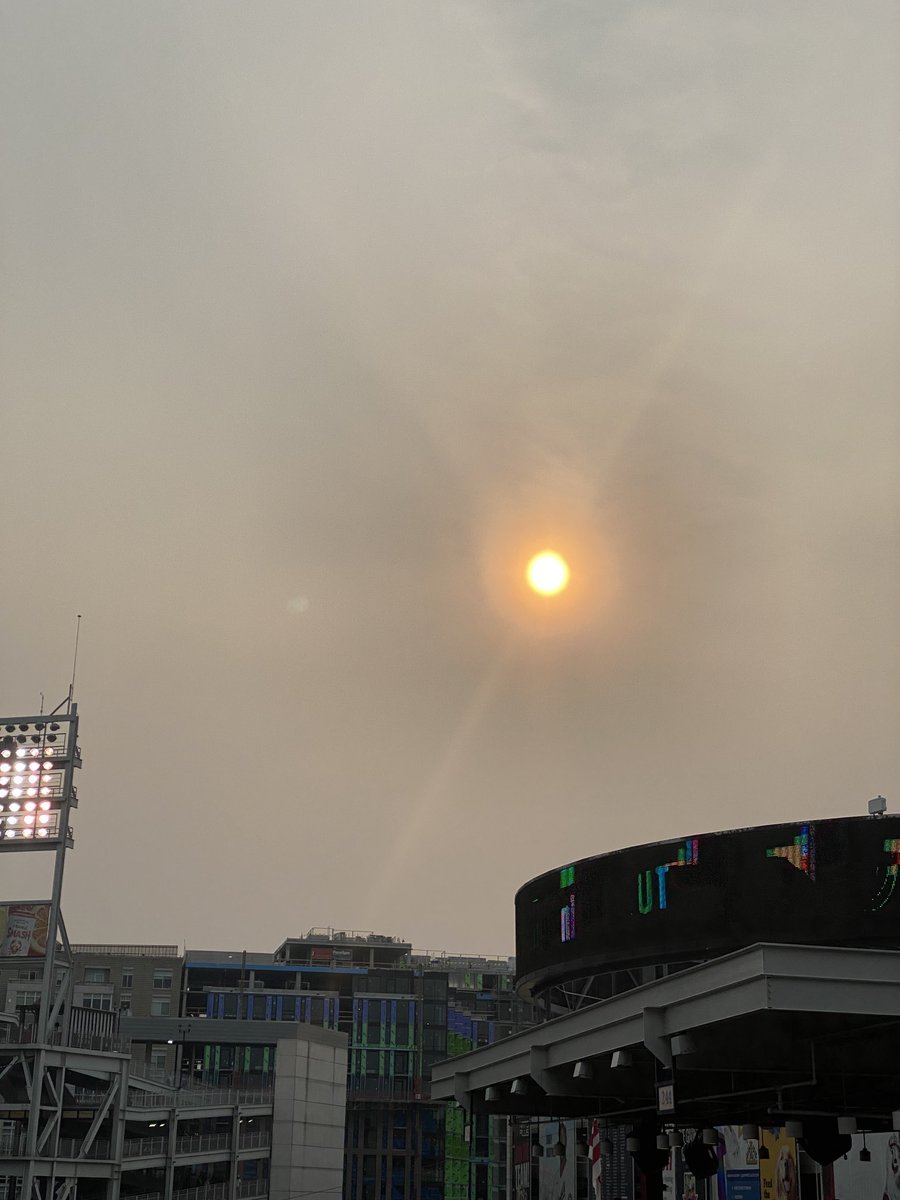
(547, 573)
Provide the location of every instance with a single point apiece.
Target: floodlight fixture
(793, 1129)
(877, 807)
(895, 1120)
(620, 1058)
(710, 1136)
(492, 1093)
(519, 1087)
(606, 1146)
(846, 1125)
(37, 761)
(38, 758)
(632, 1144)
(662, 1141)
(750, 1133)
(583, 1070)
(676, 1141)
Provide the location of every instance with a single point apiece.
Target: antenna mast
(74, 661)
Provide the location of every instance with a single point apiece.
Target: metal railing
(244, 1190)
(198, 1143)
(252, 1187)
(73, 1148)
(136, 951)
(143, 1147)
(200, 1097)
(24, 1035)
(254, 1139)
(387, 1089)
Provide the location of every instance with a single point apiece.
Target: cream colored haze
(318, 321)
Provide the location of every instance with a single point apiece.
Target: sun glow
(547, 573)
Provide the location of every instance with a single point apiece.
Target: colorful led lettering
(891, 871)
(686, 856)
(800, 853)
(567, 912)
(645, 892)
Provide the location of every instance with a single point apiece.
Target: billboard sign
(779, 1173)
(877, 1179)
(23, 929)
(557, 1165)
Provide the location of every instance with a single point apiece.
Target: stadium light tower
(38, 759)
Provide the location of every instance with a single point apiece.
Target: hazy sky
(317, 318)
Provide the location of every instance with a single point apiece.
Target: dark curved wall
(831, 882)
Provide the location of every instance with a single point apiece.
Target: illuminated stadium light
(38, 757)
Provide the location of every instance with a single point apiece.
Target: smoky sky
(317, 319)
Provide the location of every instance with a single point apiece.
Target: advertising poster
(778, 1174)
(23, 930)
(670, 1179)
(878, 1179)
(557, 1165)
(738, 1166)
(522, 1159)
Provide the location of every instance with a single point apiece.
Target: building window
(96, 975)
(128, 977)
(101, 1000)
(23, 998)
(160, 1008)
(162, 980)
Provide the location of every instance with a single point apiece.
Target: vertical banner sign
(779, 1176)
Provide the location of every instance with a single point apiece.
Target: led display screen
(813, 882)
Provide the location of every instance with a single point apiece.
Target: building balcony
(246, 1190)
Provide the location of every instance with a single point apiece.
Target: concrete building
(111, 1133)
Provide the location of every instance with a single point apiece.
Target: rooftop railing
(126, 949)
